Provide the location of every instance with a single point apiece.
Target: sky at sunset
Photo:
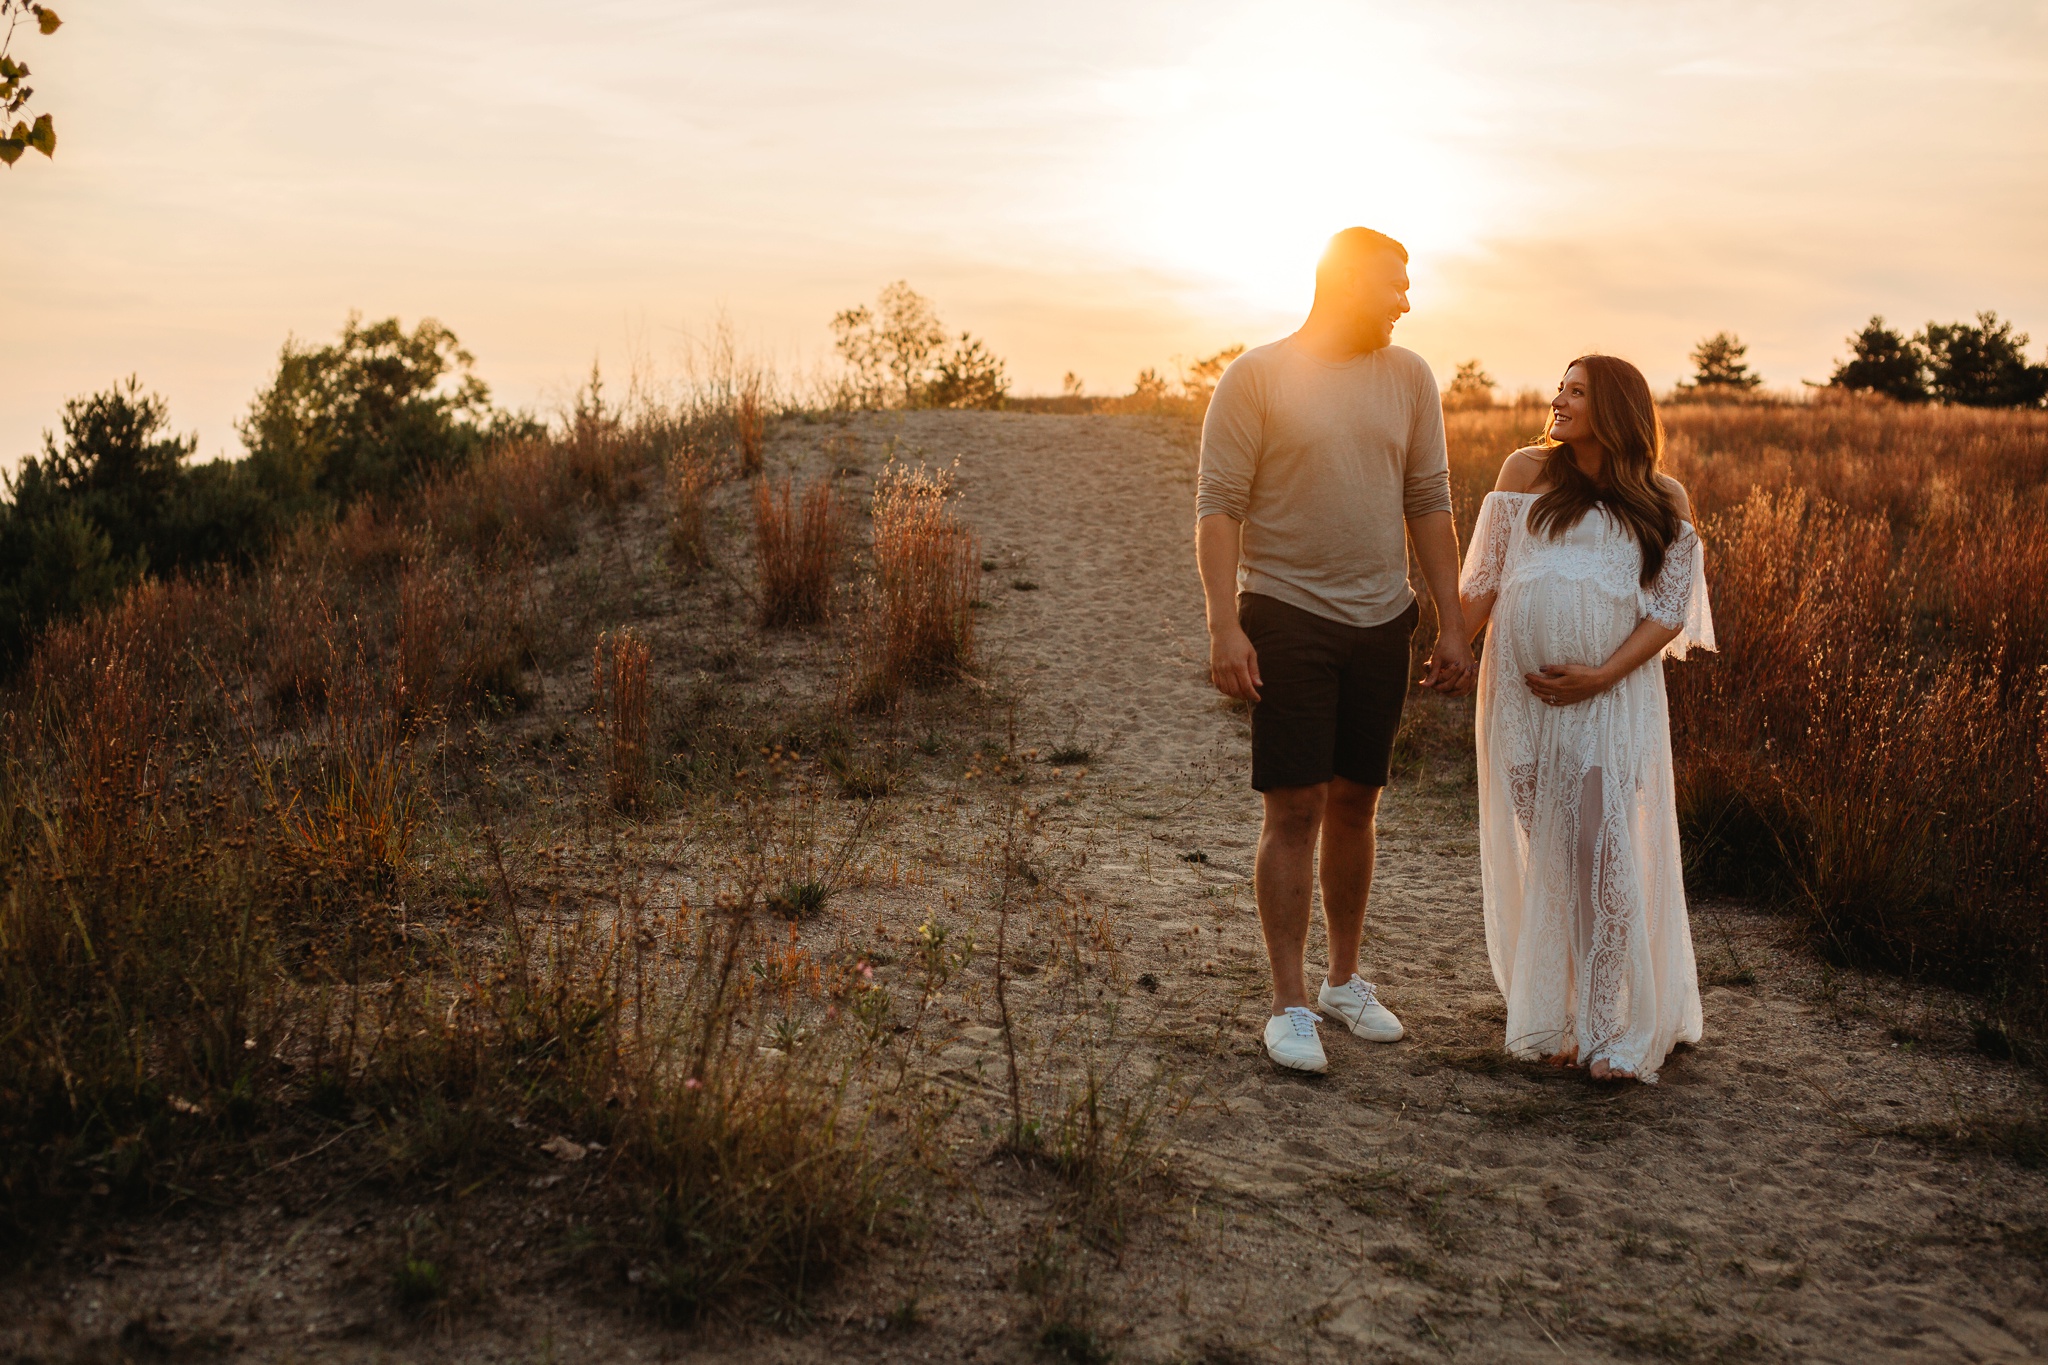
(1090, 187)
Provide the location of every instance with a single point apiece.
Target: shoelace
(1365, 989)
(1304, 1021)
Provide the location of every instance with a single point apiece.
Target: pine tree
(1982, 366)
(1717, 364)
(1882, 361)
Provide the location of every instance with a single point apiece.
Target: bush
(970, 377)
(114, 502)
(895, 357)
(369, 416)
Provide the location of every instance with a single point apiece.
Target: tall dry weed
(797, 549)
(619, 699)
(750, 425)
(689, 481)
(917, 621)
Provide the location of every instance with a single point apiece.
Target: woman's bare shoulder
(1677, 492)
(1519, 471)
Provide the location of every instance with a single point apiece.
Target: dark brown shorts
(1329, 697)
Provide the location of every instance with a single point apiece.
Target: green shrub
(368, 416)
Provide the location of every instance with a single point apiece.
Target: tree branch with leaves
(31, 131)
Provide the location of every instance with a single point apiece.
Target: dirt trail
(1429, 1199)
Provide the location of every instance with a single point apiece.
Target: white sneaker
(1358, 1005)
(1292, 1042)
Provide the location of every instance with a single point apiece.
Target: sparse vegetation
(222, 932)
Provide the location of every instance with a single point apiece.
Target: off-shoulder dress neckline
(1504, 493)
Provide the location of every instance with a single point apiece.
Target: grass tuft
(917, 625)
(797, 551)
(799, 900)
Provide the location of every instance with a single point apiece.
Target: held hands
(1234, 664)
(1564, 684)
(1451, 669)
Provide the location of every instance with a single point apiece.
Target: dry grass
(220, 937)
(917, 624)
(797, 550)
(619, 700)
(690, 479)
(750, 424)
(509, 506)
(1870, 744)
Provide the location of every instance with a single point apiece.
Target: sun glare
(1234, 167)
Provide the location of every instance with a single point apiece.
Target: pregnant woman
(1586, 564)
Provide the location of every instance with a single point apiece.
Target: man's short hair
(1353, 247)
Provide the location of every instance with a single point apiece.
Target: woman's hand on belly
(1565, 684)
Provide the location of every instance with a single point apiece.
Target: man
(1318, 450)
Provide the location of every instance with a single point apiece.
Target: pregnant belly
(1563, 621)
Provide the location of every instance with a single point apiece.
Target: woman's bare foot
(1601, 1071)
(1567, 1057)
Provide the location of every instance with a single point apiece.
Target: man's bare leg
(1283, 877)
(1349, 839)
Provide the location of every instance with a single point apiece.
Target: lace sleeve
(1678, 597)
(1486, 558)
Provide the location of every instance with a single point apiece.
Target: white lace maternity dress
(1578, 832)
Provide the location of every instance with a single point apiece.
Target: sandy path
(1426, 1199)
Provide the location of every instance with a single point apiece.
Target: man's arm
(1451, 668)
(1233, 663)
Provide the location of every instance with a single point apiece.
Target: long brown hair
(1625, 423)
